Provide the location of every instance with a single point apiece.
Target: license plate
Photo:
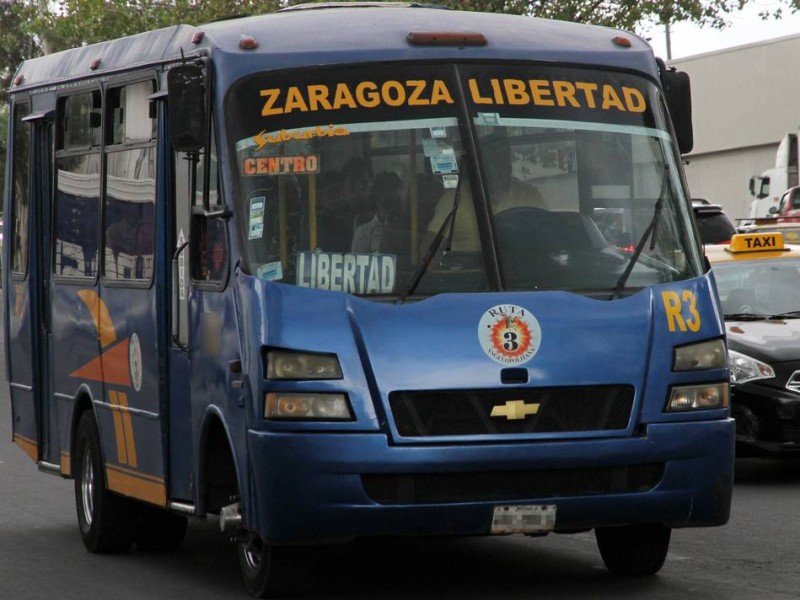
(524, 519)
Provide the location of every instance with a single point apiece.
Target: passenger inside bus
(345, 196)
(505, 192)
(382, 232)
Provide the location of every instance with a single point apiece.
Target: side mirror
(187, 107)
(773, 210)
(678, 94)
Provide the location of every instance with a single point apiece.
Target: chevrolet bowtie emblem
(514, 410)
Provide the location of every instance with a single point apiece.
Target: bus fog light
(313, 407)
(698, 397)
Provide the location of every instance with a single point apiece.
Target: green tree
(16, 44)
(632, 15)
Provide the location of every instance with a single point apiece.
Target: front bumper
(767, 420)
(308, 487)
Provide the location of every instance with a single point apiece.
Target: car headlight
(307, 406)
(699, 397)
(746, 368)
(284, 364)
(698, 357)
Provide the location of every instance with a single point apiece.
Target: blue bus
(364, 270)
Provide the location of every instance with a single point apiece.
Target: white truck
(768, 187)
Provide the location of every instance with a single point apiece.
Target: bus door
(103, 291)
(133, 355)
(200, 271)
(25, 313)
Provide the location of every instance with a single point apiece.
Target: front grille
(506, 486)
(467, 412)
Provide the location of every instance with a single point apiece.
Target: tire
(633, 550)
(266, 570)
(105, 520)
(158, 529)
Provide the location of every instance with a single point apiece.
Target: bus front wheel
(105, 520)
(633, 549)
(265, 568)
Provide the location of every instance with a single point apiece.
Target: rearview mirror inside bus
(186, 87)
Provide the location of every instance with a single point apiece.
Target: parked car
(788, 209)
(758, 279)
(789, 231)
(713, 224)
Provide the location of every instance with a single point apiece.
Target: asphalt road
(754, 557)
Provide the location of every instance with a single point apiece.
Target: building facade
(744, 101)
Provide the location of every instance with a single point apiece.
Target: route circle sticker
(135, 362)
(509, 334)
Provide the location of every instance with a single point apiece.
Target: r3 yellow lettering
(681, 311)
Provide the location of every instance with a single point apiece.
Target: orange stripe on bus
(111, 366)
(66, 464)
(122, 452)
(29, 446)
(102, 318)
(127, 430)
(136, 486)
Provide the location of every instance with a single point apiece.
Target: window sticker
(436, 147)
(444, 163)
(509, 334)
(270, 272)
(488, 118)
(281, 165)
(279, 137)
(255, 229)
(438, 132)
(450, 182)
(347, 272)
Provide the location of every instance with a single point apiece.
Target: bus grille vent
(468, 412)
(506, 486)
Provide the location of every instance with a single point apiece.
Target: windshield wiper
(450, 220)
(745, 317)
(792, 314)
(650, 231)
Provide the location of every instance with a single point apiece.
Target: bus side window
(77, 200)
(209, 261)
(130, 184)
(211, 253)
(18, 230)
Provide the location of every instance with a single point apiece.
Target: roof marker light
(95, 64)
(197, 37)
(248, 42)
(19, 80)
(446, 38)
(622, 41)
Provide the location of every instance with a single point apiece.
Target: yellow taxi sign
(756, 242)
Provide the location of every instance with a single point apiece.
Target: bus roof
(340, 33)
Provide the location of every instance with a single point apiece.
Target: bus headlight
(283, 364)
(746, 368)
(698, 357)
(313, 407)
(698, 397)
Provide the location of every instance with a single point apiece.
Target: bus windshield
(388, 182)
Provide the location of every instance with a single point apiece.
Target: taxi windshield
(758, 288)
(429, 179)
